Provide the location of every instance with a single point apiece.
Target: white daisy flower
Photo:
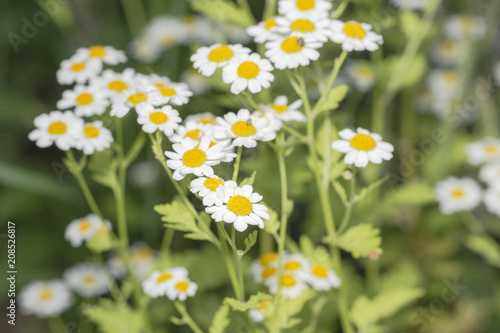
(496, 73)
(448, 52)
(56, 127)
(198, 28)
(166, 31)
(145, 49)
(257, 315)
(93, 137)
(182, 289)
(301, 8)
(191, 130)
(409, 4)
(189, 156)
(87, 279)
(243, 128)
(107, 54)
(240, 207)
(292, 52)
(264, 267)
(152, 119)
(207, 187)
(444, 83)
(362, 76)
(86, 100)
(159, 282)
(491, 199)
(248, 71)
(134, 97)
(175, 93)
(45, 299)
(264, 31)
(284, 112)
(483, 151)
(296, 264)
(465, 27)
(310, 28)
(273, 123)
(423, 99)
(82, 229)
(321, 277)
(362, 147)
(206, 118)
(490, 173)
(292, 286)
(79, 69)
(457, 194)
(113, 84)
(142, 258)
(355, 36)
(195, 81)
(207, 59)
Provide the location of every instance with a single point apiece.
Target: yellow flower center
(450, 76)
(267, 258)
(182, 286)
(158, 118)
(194, 134)
(213, 183)
(117, 85)
(270, 23)
(167, 91)
(46, 293)
(207, 120)
(288, 280)
(84, 99)
(292, 45)
(164, 277)
(142, 253)
(354, 30)
(84, 225)
(239, 205)
(457, 193)
(305, 4)
(91, 131)
(302, 25)
(137, 98)
(97, 51)
(79, 66)
(293, 265)
(279, 108)
(365, 73)
(263, 304)
(221, 54)
(491, 150)
(89, 279)
(268, 272)
(248, 70)
(57, 128)
(194, 158)
(363, 142)
(319, 271)
(242, 128)
(102, 229)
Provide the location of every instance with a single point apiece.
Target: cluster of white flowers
(465, 194)
(166, 31)
(296, 273)
(82, 229)
(362, 147)
(173, 283)
(142, 259)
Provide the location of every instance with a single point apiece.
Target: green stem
(56, 325)
(76, 170)
(229, 263)
(316, 311)
(341, 8)
(284, 200)
(237, 164)
(181, 307)
(347, 214)
(269, 9)
(135, 15)
(167, 240)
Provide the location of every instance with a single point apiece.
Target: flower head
(362, 147)
(457, 194)
(55, 128)
(304, 8)
(486, 150)
(152, 119)
(355, 36)
(320, 277)
(292, 51)
(491, 199)
(283, 111)
(310, 28)
(82, 229)
(248, 71)
(113, 84)
(206, 187)
(132, 98)
(158, 283)
(208, 59)
(79, 69)
(292, 284)
(107, 54)
(45, 298)
(182, 289)
(91, 137)
(264, 31)
(87, 279)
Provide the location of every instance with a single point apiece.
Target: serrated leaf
(365, 191)
(253, 302)
(341, 192)
(235, 304)
(360, 240)
(486, 247)
(366, 312)
(335, 96)
(272, 225)
(250, 241)
(221, 320)
(249, 180)
(102, 242)
(113, 317)
(316, 254)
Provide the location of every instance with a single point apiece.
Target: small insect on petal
(301, 42)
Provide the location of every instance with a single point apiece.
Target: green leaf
(413, 73)
(223, 10)
(408, 21)
(360, 240)
(272, 225)
(316, 254)
(250, 241)
(405, 275)
(113, 317)
(362, 194)
(410, 194)
(221, 320)
(102, 242)
(335, 96)
(253, 302)
(366, 312)
(486, 247)
(249, 180)
(341, 192)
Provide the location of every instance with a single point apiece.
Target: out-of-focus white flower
(362, 76)
(143, 174)
(142, 258)
(158, 283)
(145, 49)
(264, 267)
(355, 36)
(208, 59)
(87, 279)
(483, 151)
(321, 277)
(313, 28)
(264, 31)
(491, 199)
(490, 173)
(457, 194)
(292, 285)
(182, 290)
(448, 52)
(465, 27)
(107, 54)
(82, 229)
(45, 298)
(292, 51)
(258, 314)
(304, 8)
(195, 81)
(86, 100)
(79, 68)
